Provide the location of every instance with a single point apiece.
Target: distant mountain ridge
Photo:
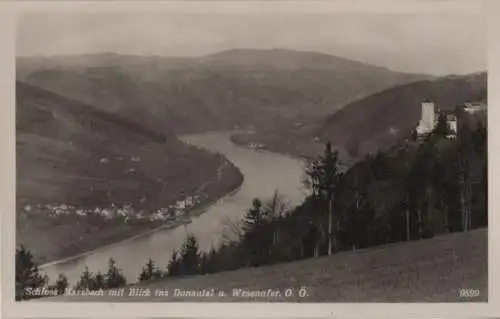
(283, 58)
(280, 58)
(233, 88)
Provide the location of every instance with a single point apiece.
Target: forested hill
(239, 87)
(382, 119)
(367, 125)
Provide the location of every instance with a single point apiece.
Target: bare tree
(276, 205)
(276, 208)
(232, 231)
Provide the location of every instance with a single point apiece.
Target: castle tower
(428, 115)
(428, 118)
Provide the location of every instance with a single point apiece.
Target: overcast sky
(430, 43)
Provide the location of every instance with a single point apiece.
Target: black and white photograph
(229, 157)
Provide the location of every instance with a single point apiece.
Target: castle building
(451, 119)
(429, 119)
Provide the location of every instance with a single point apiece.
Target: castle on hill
(429, 119)
(463, 113)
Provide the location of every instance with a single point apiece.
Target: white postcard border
(11, 309)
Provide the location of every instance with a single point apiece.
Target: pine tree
(204, 263)
(380, 166)
(190, 256)
(465, 146)
(27, 273)
(99, 282)
(114, 278)
(324, 176)
(211, 262)
(254, 218)
(256, 235)
(150, 271)
(442, 128)
(86, 281)
(360, 216)
(174, 265)
(61, 284)
(444, 192)
(479, 181)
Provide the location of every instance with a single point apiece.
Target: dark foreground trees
(324, 178)
(112, 279)
(29, 277)
(27, 273)
(150, 271)
(61, 284)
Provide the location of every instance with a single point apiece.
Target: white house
(189, 201)
(181, 205)
(474, 107)
(81, 212)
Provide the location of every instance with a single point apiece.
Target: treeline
(28, 276)
(113, 278)
(418, 189)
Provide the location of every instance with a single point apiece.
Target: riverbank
(179, 221)
(295, 146)
(67, 237)
(285, 149)
(292, 143)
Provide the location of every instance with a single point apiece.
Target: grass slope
(432, 270)
(232, 88)
(60, 148)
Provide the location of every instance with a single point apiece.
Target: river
(264, 173)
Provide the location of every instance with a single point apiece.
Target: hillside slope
(232, 88)
(380, 120)
(74, 154)
(427, 270)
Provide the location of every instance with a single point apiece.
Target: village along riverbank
(263, 174)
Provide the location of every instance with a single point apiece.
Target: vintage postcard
(228, 159)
